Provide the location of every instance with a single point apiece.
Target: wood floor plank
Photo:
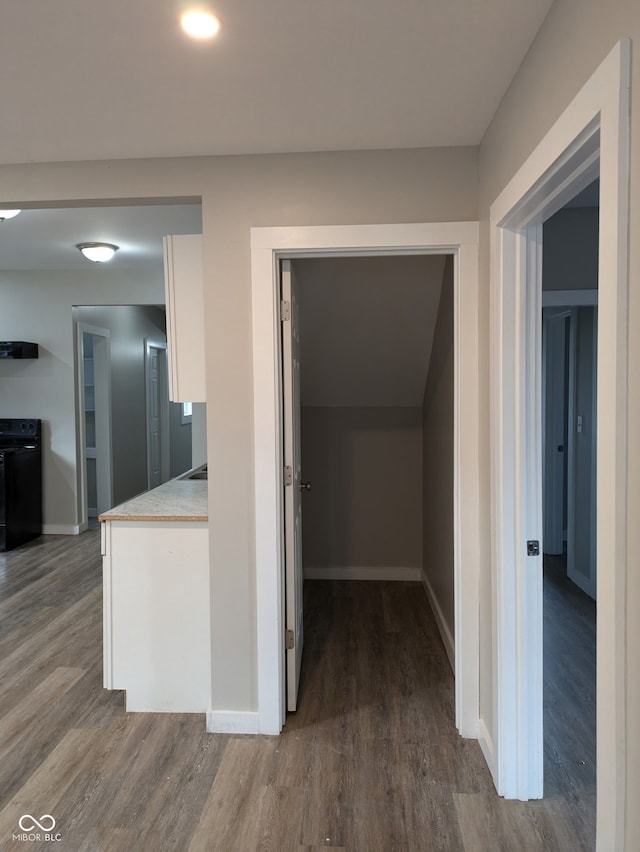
(371, 761)
(25, 714)
(71, 639)
(44, 788)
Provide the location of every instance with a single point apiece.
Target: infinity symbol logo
(45, 823)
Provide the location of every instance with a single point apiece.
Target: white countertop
(177, 500)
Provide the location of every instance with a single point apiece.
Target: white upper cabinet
(184, 291)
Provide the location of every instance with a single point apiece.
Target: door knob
(305, 486)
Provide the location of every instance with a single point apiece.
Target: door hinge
(288, 475)
(533, 548)
(285, 311)
(289, 640)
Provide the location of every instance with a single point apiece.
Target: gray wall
(237, 193)
(180, 437)
(570, 262)
(130, 325)
(584, 441)
(365, 506)
(570, 250)
(437, 424)
(38, 306)
(366, 328)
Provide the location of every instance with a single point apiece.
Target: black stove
(20, 481)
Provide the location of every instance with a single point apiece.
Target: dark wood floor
(371, 762)
(569, 694)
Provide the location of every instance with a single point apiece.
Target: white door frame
(102, 384)
(165, 447)
(592, 132)
(268, 246)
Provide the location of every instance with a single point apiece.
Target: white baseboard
(361, 573)
(232, 722)
(443, 628)
(60, 529)
(488, 750)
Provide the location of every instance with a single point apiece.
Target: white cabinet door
(184, 291)
(156, 625)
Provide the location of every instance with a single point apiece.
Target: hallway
(370, 763)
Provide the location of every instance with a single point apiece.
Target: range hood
(18, 349)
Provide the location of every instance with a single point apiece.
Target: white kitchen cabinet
(184, 292)
(157, 639)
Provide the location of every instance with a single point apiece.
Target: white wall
(37, 306)
(574, 39)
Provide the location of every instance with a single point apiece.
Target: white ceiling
(367, 326)
(46, 239)
(88, 80)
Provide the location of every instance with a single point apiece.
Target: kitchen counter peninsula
(156, 625)
(177, 500)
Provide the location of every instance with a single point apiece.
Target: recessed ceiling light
(98, 252)
(8, 214)
(198, 23)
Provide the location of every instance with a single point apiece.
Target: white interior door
(293, 482)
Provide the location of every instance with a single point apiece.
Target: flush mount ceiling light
(98, 252)
(199, 23)
(8, 214)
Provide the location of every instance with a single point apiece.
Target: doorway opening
(56, 280)
(590, 138)
(368, 402)
(148, 444)
(269, 246)
(365, 331)
(569, 416)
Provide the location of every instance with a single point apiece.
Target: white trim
(517, 511)
(104, 468)
(569, 298)
(356, 572)
(233, 722)
(62, 529)
(268, 245)
(443, 627)
(107, 605)
(593, 129)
